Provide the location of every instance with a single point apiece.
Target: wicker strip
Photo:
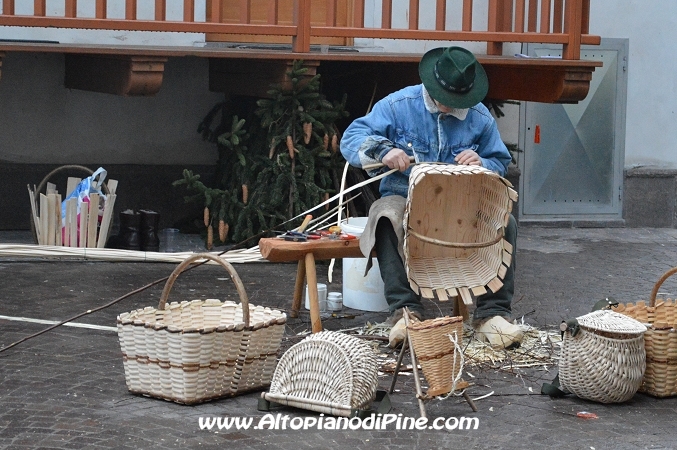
(459, 211)
(435, 351)
(200, 350)
(327, 372)
(660, 340)
(601, 364)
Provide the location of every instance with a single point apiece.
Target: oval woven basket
(605, 360)
(327, 372)
(453, 224)
(439, 359)
(194, 351)
(660, 340)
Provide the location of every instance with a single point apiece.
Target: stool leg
(298, 288)
(315, 321)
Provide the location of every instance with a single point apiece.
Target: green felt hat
(453, 77)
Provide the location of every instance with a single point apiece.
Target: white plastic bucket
(364, 293)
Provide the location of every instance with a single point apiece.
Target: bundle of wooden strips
(76, 228)
(108, 254)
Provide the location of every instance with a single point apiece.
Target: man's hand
(467, 158)
(397, 159)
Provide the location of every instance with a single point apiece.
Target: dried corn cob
(206, 216)
(307, 132)
(290, 147)
(210, 237)
(245, 194)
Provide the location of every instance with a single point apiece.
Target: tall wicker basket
(660, 340)
(605, 360)
(327, 372)
(200, 350)
(453, 224)
(440, 359)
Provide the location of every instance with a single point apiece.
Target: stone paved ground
(66, 389)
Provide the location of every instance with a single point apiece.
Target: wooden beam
(301, 41)
(115, 74)
(556, 84)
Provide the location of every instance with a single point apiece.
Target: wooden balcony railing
(527, 21)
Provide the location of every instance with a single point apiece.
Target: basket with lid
(660, 340)
(602, 357)
(194, 351)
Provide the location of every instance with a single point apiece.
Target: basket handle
(657, 286)
(499, 236)
(225, 264)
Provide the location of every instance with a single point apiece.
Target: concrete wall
(43, 122)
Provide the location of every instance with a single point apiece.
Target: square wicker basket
(200, 350)
(453, 224)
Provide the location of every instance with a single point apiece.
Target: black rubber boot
(150, 220)
(128, 239)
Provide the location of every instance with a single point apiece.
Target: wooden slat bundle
(69, 231)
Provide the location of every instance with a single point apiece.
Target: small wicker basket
(191, 352)
(605, 360)
(453, 225)
(327, 372)
(439, 357)
(660, 340)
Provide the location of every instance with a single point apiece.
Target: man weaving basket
(440, 120)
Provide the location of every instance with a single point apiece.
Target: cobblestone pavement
(66, 389)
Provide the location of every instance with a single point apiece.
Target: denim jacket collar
(459, 113)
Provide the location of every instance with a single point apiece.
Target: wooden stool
(306, 253)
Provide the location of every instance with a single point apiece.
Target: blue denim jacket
(409, 120)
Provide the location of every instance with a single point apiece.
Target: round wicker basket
(605, 360)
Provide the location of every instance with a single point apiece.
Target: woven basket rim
(434, 323)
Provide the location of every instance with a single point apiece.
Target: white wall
(651, 27)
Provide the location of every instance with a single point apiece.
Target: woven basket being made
(200, 350)
(605, 360)
(660, 340)
(439, 359)
(453, 224)
(327, 372)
